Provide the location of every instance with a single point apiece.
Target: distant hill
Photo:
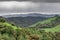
(27, 19)
(30, 14)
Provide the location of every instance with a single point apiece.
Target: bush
(2, 20)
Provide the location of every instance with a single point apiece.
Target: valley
(47, 29)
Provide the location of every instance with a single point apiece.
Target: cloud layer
(50, 7)
(28, 6)
(14, 6)
(35, 0)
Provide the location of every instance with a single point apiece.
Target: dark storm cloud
(35, 0)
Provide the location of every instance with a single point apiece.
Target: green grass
(8, 25)
(54, 29)
(44, 22)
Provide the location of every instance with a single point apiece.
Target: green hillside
(54, 29)
(4, 23)
(51, 24)
(10, 31)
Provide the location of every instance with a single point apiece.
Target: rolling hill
(9, 31)
(4, 23)
(54, 29)
(51, 24)
(27, 19)
(49, 29)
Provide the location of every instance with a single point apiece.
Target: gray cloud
(35, 0)
(50, 7)
(15, 7)
(28, 6)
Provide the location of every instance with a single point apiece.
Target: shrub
(2, 20)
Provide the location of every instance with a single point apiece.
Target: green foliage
(12, 32)
(2, 20)
(6, 37)
(51, 22)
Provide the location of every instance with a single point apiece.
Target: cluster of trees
(2, 19)
(8, 33)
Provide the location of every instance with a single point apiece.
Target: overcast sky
(18, 6)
